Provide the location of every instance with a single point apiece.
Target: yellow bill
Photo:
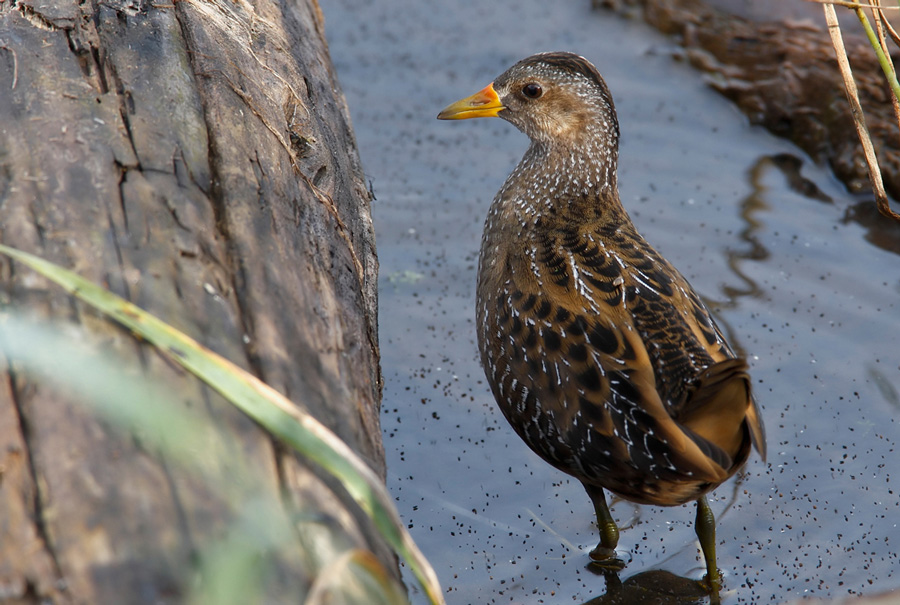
(483, 104)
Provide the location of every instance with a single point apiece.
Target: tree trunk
(195, 157)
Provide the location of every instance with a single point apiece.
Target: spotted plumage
(599, 353)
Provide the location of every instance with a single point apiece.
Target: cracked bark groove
(197, 158)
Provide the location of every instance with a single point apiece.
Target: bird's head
(555, 98)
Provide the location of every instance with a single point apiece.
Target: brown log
(196, 157)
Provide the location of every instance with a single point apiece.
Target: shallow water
(803, 277)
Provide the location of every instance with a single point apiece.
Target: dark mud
(775, 60)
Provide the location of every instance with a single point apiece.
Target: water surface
(803, 277)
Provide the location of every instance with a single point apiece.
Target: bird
(599, 353)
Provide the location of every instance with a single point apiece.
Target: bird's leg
(705, 526)
(605, 552)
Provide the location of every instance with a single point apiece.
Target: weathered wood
(197, 158)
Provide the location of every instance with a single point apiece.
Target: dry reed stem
(859, 119)
(887, 24)
(880, 25)
(851, 4)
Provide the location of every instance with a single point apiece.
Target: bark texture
(197, 158)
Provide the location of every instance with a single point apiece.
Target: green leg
(605, 553)
(706, 532)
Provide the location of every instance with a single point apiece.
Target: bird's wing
(593, 391)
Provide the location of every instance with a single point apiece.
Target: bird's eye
(532, 90)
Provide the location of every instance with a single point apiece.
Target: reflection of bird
(655, 586)
(599, 353)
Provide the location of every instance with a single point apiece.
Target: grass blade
(265, 405)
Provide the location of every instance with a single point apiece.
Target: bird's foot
(712, 584)
(606, 558)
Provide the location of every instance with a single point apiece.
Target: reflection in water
(755, 251)
(880, 230)
(790, 167)
(883, 384)
(658, 586)
(654, 587)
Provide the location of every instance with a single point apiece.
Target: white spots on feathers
(580, 286)
(549, 272)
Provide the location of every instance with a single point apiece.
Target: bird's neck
(582, 166)
(561, 182)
